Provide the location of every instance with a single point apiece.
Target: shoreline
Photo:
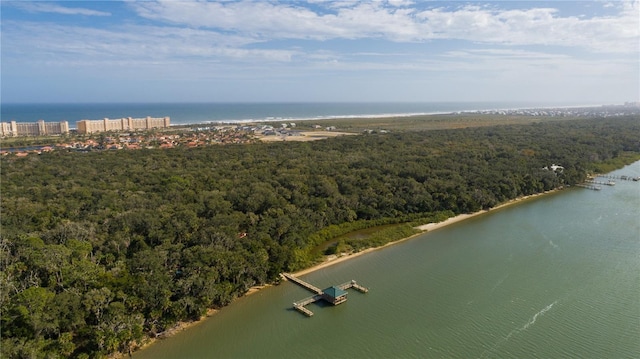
(332, 260)
(182, 326)
(425, 228)
(475, 108)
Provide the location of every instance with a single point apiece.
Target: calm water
(189, 113)
(553, 277)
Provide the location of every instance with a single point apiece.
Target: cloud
(61, 44)
(268, 21)
(539, 26)
(493, 54)
(57, 9)
(400, 2)
(402, 21)
(262, 20)
(400, 43)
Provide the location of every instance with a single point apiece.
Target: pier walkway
(302, 283)
(588, 186)
(608, 183)
(299, 305)
(620, 177)
(593, 182)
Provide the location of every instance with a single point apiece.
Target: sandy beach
(335, 259)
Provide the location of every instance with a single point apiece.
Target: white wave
(323, 117)
(529, 323)
(533, 320)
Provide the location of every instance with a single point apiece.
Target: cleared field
(305, 136)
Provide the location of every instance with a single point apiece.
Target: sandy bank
(461, 217)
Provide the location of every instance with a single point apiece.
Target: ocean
(195, 113)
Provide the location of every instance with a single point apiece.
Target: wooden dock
(328, 294)
(299, 305)
(608, 183)
(354, 285)
(302, 283)
(621, 177)
(588, 186)
(303, 310)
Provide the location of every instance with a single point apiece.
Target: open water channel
(557, 276)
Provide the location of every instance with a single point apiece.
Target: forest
(101, 250)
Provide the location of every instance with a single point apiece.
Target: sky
(571, 52)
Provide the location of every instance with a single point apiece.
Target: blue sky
(572, 52)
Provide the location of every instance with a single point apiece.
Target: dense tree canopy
(100, 249)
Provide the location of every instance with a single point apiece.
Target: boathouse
(334, 295)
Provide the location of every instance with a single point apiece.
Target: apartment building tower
(39, 128)
(122, 124)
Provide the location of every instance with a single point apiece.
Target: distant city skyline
(579, 52)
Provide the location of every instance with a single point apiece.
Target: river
(556, 276)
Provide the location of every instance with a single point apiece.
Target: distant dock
(621, 177)
(588, 186)
(608, 183)
(335, 295)
(593, 182)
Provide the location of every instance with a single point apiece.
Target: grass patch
(379, 237)
(624, 159)
(359, 235)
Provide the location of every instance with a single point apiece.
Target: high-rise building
(122, 124)
(40, 128)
